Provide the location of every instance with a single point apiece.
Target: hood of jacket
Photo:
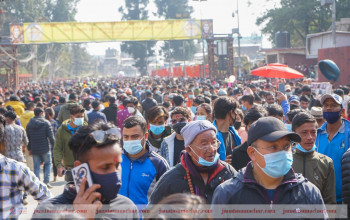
(27, 115)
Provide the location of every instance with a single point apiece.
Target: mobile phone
(281, 88)
(79, 173)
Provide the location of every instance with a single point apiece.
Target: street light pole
(239, 46)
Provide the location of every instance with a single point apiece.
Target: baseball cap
(335, 97)
(287, 87)
(294, 98)
(316, 112)
(270, 129)
(193, 128)
(222, 92)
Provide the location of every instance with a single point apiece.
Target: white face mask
(131, 110)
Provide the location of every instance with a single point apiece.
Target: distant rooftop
(342, 25)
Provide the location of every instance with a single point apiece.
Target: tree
(136, 10)
(300, 18)
(176, 9)
(45, 11)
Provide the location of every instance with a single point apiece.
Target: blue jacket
(140, 176)
(222, 148)
(335, 150)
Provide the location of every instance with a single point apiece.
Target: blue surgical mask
(201, 117)
(194, 109)
(299, 147)
(78, 121)
(205, 163)
(289, 93)
(157, 130)
(110, 184)
(289, 127)
(133, 147)
(277, 164)
(190, 96)
(243, 108)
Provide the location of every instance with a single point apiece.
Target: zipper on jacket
(304, 158)
(271, 204)
(128, 192)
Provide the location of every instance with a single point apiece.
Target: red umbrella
(277, 70)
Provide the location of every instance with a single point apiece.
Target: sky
(218, 10)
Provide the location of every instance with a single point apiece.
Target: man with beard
(200, 170)
(142, 167)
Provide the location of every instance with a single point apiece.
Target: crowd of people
(173, 141)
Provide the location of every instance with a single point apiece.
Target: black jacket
(175, 181)
(39, 133)
(244, 189)
(111, 113)
(67, 198)
(240, 156)
(345, 172)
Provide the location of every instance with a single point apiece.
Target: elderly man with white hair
(200, 169)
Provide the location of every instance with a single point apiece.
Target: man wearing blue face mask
(269, 178)
(200, 169)
(316, 167)
(97, 145)
(333, 137)
(142, 167)
(61, 151)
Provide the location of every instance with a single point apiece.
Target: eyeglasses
(206, 145)
(100, 136)
(174, 121)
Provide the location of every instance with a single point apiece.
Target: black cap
(270, 129)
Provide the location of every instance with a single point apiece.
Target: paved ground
(57, 188)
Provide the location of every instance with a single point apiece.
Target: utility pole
(239, 46)
(333, 23)
(35, 63)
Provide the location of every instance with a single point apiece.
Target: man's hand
(87, 202)
(60, 171)
(228, 159)
(281, 97)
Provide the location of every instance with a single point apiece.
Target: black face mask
(177, 127)
(237, 124)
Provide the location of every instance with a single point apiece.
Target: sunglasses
(100, 136)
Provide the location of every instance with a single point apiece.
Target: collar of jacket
(217, 170)
(248, 176)
(144, 156)
(322, 129)
(308, 154)
(113, 105)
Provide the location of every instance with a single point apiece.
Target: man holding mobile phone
(97, 145)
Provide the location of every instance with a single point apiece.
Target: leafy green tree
(18, 11)
(300, 18)
(137, 10)
(176, 9)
